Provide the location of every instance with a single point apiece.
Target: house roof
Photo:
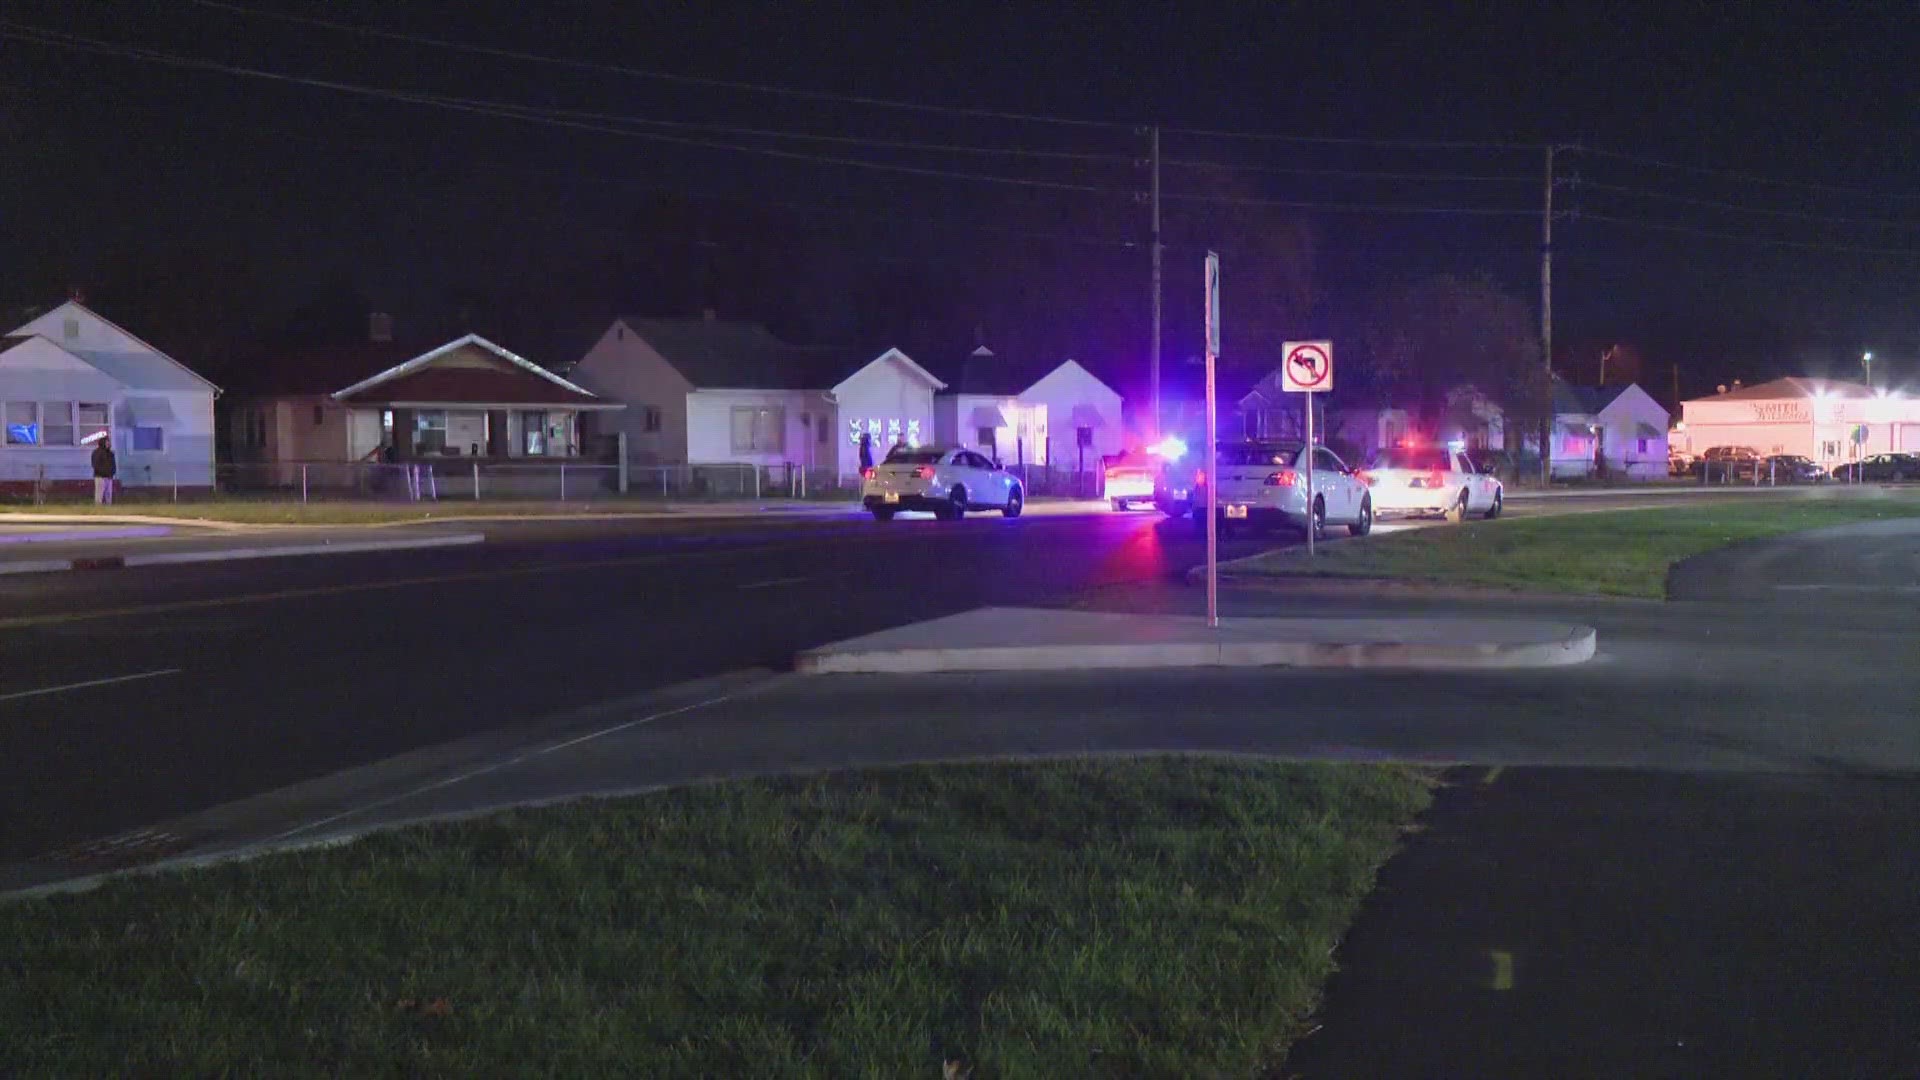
(716, 354)
(418, 379)
(143, 368)
(1792, 387)
(319, 370)
(988, 374)
(1585, 400)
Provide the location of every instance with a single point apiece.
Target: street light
(1866, 362)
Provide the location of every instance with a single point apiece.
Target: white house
(1827, 420)
(1618, 429)
(1082, 415)
(71, 373)
(708, 391)
(982, 408)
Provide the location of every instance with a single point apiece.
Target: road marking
(496, 767)
(28, 621)
(1849, 588)
(90, 682)
(1502, 969)
(776, 582)
(1492, 775)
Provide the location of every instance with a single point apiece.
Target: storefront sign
(1780, 412)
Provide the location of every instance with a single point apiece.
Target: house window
(95, 419)
(56, 423)
(759, 429)
(149, 439)
(1643, 446)
(430, 431)
(984, 437)
(650, 419)
(825, 431)
(23, 425)
(319, 416)
(533, 434)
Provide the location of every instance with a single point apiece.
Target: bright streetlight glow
(1170, 448)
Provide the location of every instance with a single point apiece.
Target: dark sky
(196, 191)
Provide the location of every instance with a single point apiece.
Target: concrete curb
(68, 536)
(10, 518)
(1013, 639)
(170, 558)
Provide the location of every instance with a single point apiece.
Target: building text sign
(1781, 412)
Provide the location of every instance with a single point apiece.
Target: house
(383, 401)
(71, 373)
(1083, 417)
(982, 408)
(1827, 420)
(710, 391)
(1360, 426)
(1608, 430)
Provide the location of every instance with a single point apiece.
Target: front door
(533, 434)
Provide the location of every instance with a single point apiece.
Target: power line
(1719, 204)
(1332, 140)
(649, 73)
(1802, 245)
(1701, 170)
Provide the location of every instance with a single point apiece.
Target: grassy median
(1613, 553)
(1160, 917)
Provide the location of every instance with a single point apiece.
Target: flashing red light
(1199, 477)
(1284, 478)
(924, 472)
(866, 473)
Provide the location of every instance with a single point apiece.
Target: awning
(1648, 431)
(145, 411)
(989, 416)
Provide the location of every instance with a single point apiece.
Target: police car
(1409, 481)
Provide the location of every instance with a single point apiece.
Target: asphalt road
(129, 696)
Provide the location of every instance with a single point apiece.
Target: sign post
(1212, 455)
(1307, 369)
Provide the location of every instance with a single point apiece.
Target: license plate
(1236, 511)
(891, 496)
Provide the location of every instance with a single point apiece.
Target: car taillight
(1283, 478)
(924, 472)
(866, 473)
(1365, 478)
(1436, 479)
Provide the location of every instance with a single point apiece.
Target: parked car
(1879, 468)
(1130, 478)
(1679, 464)
(1261, 485)
(1791, 469)
(1728, 463)
(948, 482)
(1412, 480)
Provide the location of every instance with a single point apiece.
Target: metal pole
(1308, 455)
(1546, 323)
(1153, 355)
(563, 481)
(303, 483)
(476, 481)
(1213, 507)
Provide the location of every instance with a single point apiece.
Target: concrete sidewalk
(115, 549)
(54, 534)
(1032, 639)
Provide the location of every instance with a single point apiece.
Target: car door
(983, 486)
(1330, 476)
(1479, 486)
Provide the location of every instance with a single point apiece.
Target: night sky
(1739, 178)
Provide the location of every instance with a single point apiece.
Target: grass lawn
(1164, 917)
(1617, 553)
(262, 512)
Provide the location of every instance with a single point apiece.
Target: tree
(1267, 293)
(1427, 335)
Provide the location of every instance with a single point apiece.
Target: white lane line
(495, 767)
(90, 682)
(775, 583)
(1848, 588)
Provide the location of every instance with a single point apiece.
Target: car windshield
(1258, 453)
(1425, 459)
(906, 456)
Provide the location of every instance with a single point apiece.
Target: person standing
(103, 469)
(866, 452)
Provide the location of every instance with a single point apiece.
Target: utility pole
(1153, 360)
(1676, 386)
(1546, 323)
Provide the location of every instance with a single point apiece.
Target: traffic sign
(1308, 367)
(1213, 303)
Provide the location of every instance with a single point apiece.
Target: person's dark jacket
(103, 462)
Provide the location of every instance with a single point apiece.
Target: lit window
(759, 429)
(94, 420)
(430, 431)
(23, 424)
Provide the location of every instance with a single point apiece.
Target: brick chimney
(380, 328)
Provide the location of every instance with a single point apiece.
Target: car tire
(1499, 501)
(956, 503)
(1016, 502)
(1364, 523)
(883, 514)
(1317, 518)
